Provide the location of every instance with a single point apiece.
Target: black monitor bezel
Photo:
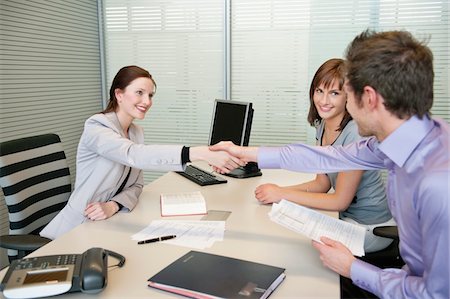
(245, 134)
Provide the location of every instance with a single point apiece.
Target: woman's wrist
(117, 206)
(198, 153)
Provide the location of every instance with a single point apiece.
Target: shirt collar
(400, 144)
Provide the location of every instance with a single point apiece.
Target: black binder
(203, 275)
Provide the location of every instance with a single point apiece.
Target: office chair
(386, 258)
(390, 256)
(35, 180)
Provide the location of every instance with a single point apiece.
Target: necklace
(329, 137)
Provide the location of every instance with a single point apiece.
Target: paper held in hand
(315, 225)
(186, 203)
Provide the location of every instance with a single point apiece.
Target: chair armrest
(23, 242)
(386, 232)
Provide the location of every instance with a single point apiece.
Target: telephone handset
(56, 274)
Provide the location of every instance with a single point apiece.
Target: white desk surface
(249, 235)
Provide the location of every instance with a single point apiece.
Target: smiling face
(135, 100)
(327, 97)
(330, 101)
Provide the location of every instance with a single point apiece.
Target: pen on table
(157, 239)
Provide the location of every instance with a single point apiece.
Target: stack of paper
(195, 234)
(315, 225)
(186, 203)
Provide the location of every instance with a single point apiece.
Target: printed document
(194, 233)
(315, 225)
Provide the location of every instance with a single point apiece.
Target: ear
(371, 97)
(118, 93)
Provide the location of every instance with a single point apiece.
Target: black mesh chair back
(35, 180)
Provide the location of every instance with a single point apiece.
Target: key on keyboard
(200, 176)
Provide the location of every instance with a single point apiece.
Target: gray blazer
(104, 158)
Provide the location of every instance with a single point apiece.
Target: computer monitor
(232, 121)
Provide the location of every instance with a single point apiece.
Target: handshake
(226, 156)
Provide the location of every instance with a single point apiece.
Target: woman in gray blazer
(111, 155)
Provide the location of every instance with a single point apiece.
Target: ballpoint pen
(163, 238)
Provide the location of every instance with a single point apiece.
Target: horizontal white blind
(269, 58)
(277, 45)
(181, 44)
(49, 71)
(427, 20)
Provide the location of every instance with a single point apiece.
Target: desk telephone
(56, 274)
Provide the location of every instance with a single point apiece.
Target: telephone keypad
(38, 262)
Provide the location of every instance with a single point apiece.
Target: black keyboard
(200, 176)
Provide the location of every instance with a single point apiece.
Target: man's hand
(244, 153)
(335, 256)
(101, 210)
(221, 161)
(268, 193)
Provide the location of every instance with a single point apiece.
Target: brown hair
(397, 66)
(122, 79)
(330, 71)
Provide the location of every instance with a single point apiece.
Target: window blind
(427, 20)
(277, 45)
(49, 72)
(181, 44)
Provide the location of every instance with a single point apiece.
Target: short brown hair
(397, 66)
(330, 71)
(122, 79)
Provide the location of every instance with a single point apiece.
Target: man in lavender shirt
(389, 87)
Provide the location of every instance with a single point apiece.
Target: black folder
(204, 275)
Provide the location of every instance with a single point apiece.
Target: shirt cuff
(185, 155)
(269, 157)
(365, 276)
(119, 204)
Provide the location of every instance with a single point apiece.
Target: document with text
(194, 233)
(314, 225)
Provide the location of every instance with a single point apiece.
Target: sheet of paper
(315, 225)
(195, 234)
(185, 203)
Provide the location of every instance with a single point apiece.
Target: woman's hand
(268, 193)
(101, 210)
(221, 161)
(244, 153)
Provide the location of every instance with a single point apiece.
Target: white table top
(249, 235)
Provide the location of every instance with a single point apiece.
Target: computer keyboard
(200, 176)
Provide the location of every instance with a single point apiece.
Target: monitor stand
(247, 171)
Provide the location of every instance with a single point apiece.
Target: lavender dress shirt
(417, 158)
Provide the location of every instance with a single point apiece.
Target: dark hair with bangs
(332, 70)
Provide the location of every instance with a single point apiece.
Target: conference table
(249, 235)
